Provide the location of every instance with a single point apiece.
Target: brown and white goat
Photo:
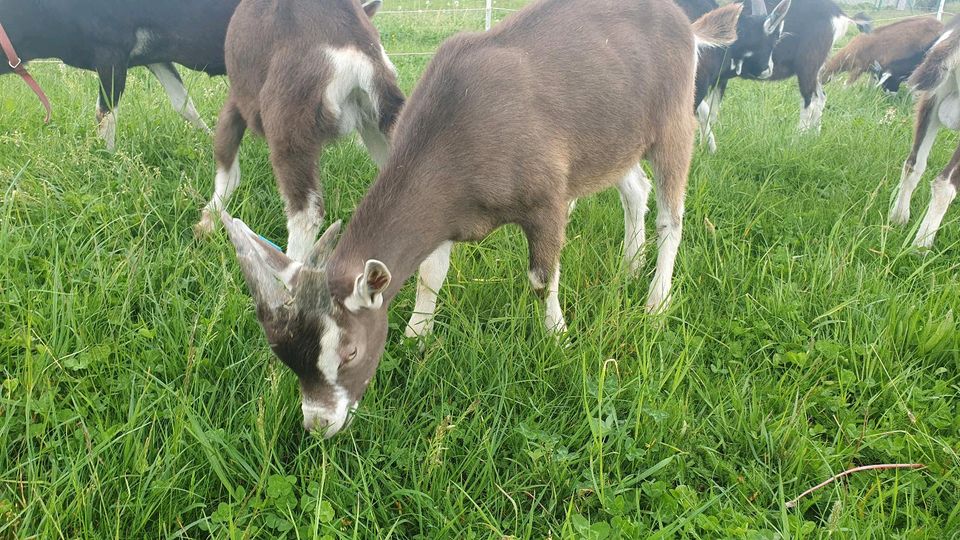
(301, 74)
(561, 100)
(938, 82)
(891, 52)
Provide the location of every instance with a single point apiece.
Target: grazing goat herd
(559, 101)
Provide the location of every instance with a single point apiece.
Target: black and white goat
(109, 37)
(777, 39)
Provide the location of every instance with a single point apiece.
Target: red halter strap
(17, 66)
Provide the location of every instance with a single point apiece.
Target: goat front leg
(545, 236)
(295, 164)
(925, 133)
(433, 271)
(230, 129)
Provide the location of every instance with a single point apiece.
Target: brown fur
(278, 74)
(557, 102)
(937, 63)
(719, 23)
(884, 46)
(554, 104)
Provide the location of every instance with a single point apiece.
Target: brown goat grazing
(301, 74)
(559, 101)
(891, 52)
(938, 82)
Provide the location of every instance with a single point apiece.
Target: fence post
(490, 13)
(939, 11)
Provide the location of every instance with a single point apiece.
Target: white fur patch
(554, 314)
(948, 111)
(225, 184)
(108, 129)
(386, 60)
(433, 270)
(330, 419)
(329, 361)
(634, 194)
(942, 193)
(302, 228)
(142, 44)
(334, 418)
(946, 35)
(351, 95)
(840, 24)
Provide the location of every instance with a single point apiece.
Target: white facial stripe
(319, 414)
(329, 361)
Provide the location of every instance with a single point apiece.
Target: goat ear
(369, 287)
(371, 7)
(776, 17)
(320, 254)
(270, 275)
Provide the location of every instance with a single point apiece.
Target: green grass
(139, 398)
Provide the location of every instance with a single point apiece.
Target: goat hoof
(899, 218)
(204, 227)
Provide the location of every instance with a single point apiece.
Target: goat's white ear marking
(369, 287)
(371, 7)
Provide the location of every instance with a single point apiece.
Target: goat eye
(352, 355)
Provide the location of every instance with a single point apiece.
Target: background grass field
(139, 398)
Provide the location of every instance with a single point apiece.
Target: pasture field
(139, 398)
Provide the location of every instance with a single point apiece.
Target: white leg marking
(571, 207)
(634, 194)
(177, 93)
(704, 119)
(942, 194)
(910, 177)
(225, 184)
(554, 315)
(108, 129)
(433, 271)
(669, 230)
(810, 116)
(376, 142)
(302, 229)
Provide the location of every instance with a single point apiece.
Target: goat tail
(863, 22)
(717, 28)
(941, 59)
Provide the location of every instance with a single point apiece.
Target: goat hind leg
(634, 195)
(433, 271)
(671, 164)
(172, 84)
(942, 192)
(230, 129)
